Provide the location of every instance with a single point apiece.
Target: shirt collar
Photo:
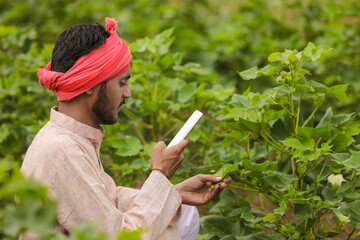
(94, 134)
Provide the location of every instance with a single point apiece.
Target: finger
(181, 145)
(213, 193)
(223, 185)
(208, 178)
(181, 157)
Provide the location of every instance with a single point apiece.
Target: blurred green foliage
(302, 169)
(186, 57)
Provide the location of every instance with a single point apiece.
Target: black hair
(75, 42)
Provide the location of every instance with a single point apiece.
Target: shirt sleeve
(84, 196)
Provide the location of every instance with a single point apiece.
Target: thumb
(180, 146)
(160, 146)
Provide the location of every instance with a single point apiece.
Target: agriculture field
(278, 84)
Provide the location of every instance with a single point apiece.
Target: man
(89, 73)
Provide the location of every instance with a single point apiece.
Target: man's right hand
(168, 159)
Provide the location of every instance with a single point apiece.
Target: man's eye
(122, 84)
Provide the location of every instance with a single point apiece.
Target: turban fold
(102, 64)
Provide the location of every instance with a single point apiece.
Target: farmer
(89, 73)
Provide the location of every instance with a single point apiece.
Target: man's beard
(103, 108)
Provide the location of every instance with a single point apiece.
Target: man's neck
(78, 112)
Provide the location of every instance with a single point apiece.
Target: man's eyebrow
(126, 77)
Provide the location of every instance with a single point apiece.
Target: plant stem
(248, 147)
(193, 156)
(293, 165)
(281, 105)
(324, 214)
(272, 229)
(242, 188)
(291, 101)
(273, 143)
(317, 143)
(209, 142)
(169, 131)
(297, 116)
(268, 152)
(261, 190)
(325, 176)
(311, 115)
(315, 183)
(134, 118)
(261, 203)
(322, 169)
(152, 128)
(352, 232)
(352, 177)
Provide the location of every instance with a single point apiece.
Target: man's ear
(90, 91)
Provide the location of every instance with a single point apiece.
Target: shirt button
(98, 135)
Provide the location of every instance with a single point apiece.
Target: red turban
(102, 64)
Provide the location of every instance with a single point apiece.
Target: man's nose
(127, 92)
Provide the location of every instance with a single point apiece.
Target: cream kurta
(64, 156)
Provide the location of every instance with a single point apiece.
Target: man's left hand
(197, 190)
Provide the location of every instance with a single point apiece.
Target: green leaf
(302, 211)
(354, 213)
(315, 133)
(7, 30)
(219, 92)
(289, 55)
(339, 92)
(315, 52)
(261, 236)
(306, 225)
(240, 101)
(280, 181)
(284, 89)
(326, 119)
(226, 169)
(341, 118)
(30, 214)
(148, 148)
(126, 146)
(139, 163)
(296, 144)
(268, 70)
(271, 217)
(340, 142)
(271, 114)
(276, 56)
(283, 203)
(153, 107)
(130, 235)
(187, 92)
(232, 137)
(216, 225)
(354, 161)
(253, 126)
(330, 196)
(251, 73)
(266, 166)
(88, 231)
(229, 198)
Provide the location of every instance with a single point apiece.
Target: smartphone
(184, 131)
